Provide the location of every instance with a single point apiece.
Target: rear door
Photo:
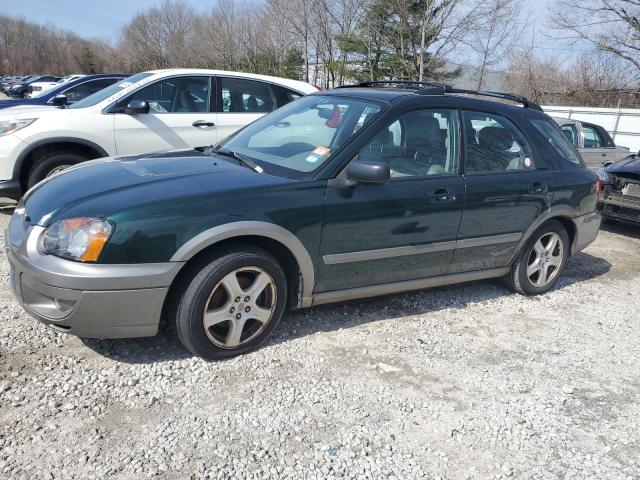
(180, 117)
(507, 188)
(403, 229)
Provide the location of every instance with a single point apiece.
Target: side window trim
(531, 145)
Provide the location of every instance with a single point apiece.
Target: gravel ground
(462, 382)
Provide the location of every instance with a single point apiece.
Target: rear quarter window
(557, 140)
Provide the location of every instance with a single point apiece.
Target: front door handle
(442, 195)
(203, 124)
(538, 188)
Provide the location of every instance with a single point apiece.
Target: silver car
(593, 142)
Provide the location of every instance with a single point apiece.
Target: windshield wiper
(244, 160)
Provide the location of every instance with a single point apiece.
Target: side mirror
(60, 100)
(368, 171)
(136, 107)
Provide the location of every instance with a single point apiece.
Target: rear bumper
(587, 228)
(95, 301)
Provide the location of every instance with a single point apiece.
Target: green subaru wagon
(350, 193)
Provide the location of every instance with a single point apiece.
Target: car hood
(105, 187)
(626, 165)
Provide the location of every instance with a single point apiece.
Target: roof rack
(408, 84)
(436, 88)
(505, 96)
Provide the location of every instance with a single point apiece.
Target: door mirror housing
(368, 171)
(136, 107)
(60, 100)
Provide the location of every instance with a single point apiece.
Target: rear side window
(557, 139)
(88, 88)
(246, 96)
(494, 144)
(571, 132)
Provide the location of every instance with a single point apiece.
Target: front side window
(417, 143)
(303, 135)
(494, 144)
(246, 96)
(176, 95)
(557, 139)
(592, 138)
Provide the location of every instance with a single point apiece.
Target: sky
(104, 18)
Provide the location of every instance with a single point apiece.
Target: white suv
(149, 111)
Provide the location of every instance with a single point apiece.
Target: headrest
(495, 138)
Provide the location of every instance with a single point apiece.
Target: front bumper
(620, 207)
(87, 300)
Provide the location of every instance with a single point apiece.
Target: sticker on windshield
(312, 158)
(321, 151)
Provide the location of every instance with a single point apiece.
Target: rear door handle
(442, 195)
(203, 124)
(538, 188)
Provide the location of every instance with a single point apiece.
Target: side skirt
(406, 286)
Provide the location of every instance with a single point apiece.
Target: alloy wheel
(545, 259)
(57, 169)
(239, 307)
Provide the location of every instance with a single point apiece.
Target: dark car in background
(21, 89)
(69, 92)
(343, 194)
(620, 199)
(7, 82)
(592, 141)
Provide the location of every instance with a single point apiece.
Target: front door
(403, 229)
(506, 192)
(180, 117)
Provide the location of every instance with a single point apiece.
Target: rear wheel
(52, 164)
(231, 304)
(542, 260)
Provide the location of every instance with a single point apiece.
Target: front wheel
(231, 304)
(542, 260)
(51, 165)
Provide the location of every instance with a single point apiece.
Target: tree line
(330, 42)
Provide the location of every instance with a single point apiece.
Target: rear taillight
(318, 87)
(599, 187)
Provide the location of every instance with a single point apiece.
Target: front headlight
(9, 126)
(80, 239)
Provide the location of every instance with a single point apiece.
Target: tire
(48, 165)
(547, 265)
(209, 288)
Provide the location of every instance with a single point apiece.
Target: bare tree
(609, 25)
(502, 27)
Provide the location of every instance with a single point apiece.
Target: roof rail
(409, 84)
(506, 96)
(435, 88)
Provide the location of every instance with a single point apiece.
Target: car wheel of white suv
(51, 165)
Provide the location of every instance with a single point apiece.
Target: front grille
(631, 189)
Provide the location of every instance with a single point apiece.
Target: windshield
(303, 135)
(99, 96)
